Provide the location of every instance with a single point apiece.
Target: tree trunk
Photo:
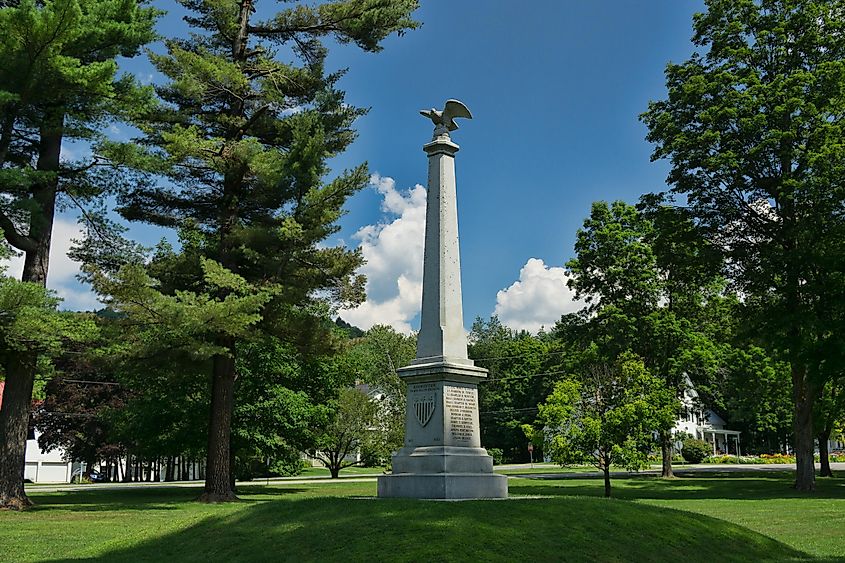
(667, 449)
(334, 470)
(127, 472)
(89, 467)
(805, 470)
(168, 469)
(21, 365)
(218, 477)
(606, 470)
(824, 453)
(14, 423)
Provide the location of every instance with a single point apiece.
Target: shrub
(497, 454)
(694, 451)
(288, 464)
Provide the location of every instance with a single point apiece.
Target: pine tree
(57, 82)
(242, 140)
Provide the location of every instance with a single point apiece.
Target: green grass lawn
(549, 468)
(706, 518)
(346, 472)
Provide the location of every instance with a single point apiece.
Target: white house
(705, 424)
(45, 467)
(41, 467)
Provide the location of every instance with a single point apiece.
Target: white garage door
(52, 472)
(30, 470)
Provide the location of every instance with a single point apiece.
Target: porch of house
(724, 441)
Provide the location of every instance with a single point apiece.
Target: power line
(519, 356)
(523, 376)
(510, 411)
(67, 414)
(80, 381)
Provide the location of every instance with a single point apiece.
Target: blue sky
(555, 87)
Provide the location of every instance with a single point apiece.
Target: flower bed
(838, 457)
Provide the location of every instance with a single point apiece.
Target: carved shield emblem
(424, 407)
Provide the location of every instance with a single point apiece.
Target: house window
(30, 433)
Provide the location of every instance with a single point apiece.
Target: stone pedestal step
(443, 485)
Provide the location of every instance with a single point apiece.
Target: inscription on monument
(461, 405)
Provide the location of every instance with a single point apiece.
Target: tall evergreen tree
(753, 126)
(57, 82)
(242, 139)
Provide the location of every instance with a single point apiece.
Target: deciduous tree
(606, 415)
(753, 126)
(347, 423)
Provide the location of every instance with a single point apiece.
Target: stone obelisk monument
(442, 457)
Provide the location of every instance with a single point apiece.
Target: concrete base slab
(443, 485)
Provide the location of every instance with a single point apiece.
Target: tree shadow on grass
(141, 498)
(730, 486)
(557, 529)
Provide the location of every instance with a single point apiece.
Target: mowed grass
(705, 518)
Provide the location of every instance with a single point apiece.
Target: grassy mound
(328, 523)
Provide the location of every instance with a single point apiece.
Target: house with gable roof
(704, 424)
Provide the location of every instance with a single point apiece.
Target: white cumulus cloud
(393, 249)
(537, 299)
(62, 273)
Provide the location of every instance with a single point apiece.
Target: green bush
(289, 463)
(694, 451)
(497, 454)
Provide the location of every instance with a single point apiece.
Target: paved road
(301, 480)
(679, 470)
(371, 477)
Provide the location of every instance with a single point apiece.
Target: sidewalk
(679, 470)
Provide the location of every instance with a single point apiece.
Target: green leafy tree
(74, 414)
(647, 276)
(242, 140)
(757, 398)
(57, 83)
(605, 416)
(374, 359)
(829, 417)
(753, 128)
(522, 371)
(339, 439)
(32, 332)
(281, 394)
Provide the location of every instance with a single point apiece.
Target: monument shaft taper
(441, 336)
(442, 457)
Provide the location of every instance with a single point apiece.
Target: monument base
(443, 485)
(443, 472)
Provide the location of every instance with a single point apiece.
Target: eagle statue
(444, 121)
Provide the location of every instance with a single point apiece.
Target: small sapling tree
(606, 416)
